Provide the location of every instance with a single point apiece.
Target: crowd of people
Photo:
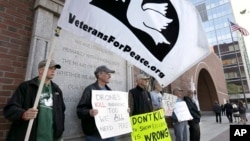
(49, 115)
(235, 112)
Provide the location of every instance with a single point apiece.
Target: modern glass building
(228, 45)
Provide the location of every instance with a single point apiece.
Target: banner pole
(54, 40)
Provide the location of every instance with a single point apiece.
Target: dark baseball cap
(103, 68)
(52, 64)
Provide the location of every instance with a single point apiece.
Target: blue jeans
(180, 130)
(94, 138)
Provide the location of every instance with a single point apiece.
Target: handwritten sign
(113, 117)
(181, 111)
(168, 101)
(150, 127)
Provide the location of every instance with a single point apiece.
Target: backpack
(242, 109)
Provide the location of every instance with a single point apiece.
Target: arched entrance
(206, 90)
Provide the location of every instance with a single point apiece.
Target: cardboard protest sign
(150, 127)
(113, 117)
(181, 111)
(168, 101)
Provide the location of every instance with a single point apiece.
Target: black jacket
(228, 108)
(193, 109)
(217, 108)
(23, 99)
(84, 106)
(140, 101)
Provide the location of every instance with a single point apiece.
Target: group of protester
(232, 111)
(49, 115)
(180, 127)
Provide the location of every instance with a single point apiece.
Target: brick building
(16, 22)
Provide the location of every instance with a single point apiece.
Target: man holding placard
(180, 116)
(85, 110)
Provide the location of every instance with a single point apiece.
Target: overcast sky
(243, 19)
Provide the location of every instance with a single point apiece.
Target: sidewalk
(212, 131)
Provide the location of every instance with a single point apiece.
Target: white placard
(168, 101)
(181, 111)
(113, 117)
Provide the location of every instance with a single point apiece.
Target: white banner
(113, 117)
(163, 38)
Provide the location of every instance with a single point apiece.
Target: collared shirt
(156, 99)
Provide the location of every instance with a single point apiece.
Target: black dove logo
(154, 22)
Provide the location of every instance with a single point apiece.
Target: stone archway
(206, 90)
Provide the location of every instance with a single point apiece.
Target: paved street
(212, 131)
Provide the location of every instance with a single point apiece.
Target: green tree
(233, 89)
